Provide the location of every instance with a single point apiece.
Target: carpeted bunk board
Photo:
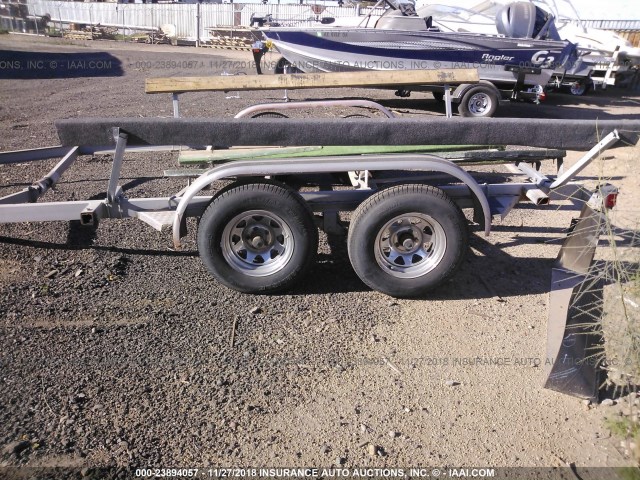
(546, 133)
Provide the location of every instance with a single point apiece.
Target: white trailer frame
(487, 199)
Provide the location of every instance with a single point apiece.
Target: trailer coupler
(574, 343)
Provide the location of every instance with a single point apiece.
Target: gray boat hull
(347, 49)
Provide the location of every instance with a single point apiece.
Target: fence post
(198, 23)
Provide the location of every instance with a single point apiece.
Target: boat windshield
(459, 18)
(407, 7)
(483, 13)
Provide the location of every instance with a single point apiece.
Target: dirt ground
(123, 355)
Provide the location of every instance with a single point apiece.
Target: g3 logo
(542, 58)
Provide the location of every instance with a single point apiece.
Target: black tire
(579, 88)
(428, 215)
(284, 66)
(284, 243)
(269, 115)
(479, 101)
(439, 96)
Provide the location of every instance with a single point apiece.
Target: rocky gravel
(117, 350)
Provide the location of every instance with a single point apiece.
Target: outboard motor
(526, 20)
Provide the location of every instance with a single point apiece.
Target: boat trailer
(407, 233)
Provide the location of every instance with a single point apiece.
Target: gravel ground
(115, 350)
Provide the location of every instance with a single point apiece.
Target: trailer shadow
(495, 274)
(27, 65)
(622, 237)
(84, 244)
(83, 235)
(487, 271)
(333, 273)
(557, 105)
(523, 110)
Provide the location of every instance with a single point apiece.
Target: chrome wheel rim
(577, 88)
(479, 104)
(410, 245)
(257, 243)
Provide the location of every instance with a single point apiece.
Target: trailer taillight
(605, 197)
(610, 200)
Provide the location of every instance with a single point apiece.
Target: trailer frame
(487, 200)
(368, 175)
(572, 375)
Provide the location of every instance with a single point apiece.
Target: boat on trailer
(401, 40)
(602, 53)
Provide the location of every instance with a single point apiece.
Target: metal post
(612, 64)
(118, 156)
(286, 94)
(581, 164)
(198, 24)
(176, 105)
(447, 101)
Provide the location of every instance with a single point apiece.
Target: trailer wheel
(284, 66)
(269, 115)
(579, 88)
(257, 237)
(406, 240)
(478, 101)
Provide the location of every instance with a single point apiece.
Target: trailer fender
(463, 88)
(482, 210)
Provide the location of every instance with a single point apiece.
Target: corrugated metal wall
(617, 25)
(633, 37)
(183, 16)
(629, 29)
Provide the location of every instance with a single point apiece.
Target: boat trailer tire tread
(479, 101)
(284, 66)
(257, 237)
(269, 115)
(407, 239)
